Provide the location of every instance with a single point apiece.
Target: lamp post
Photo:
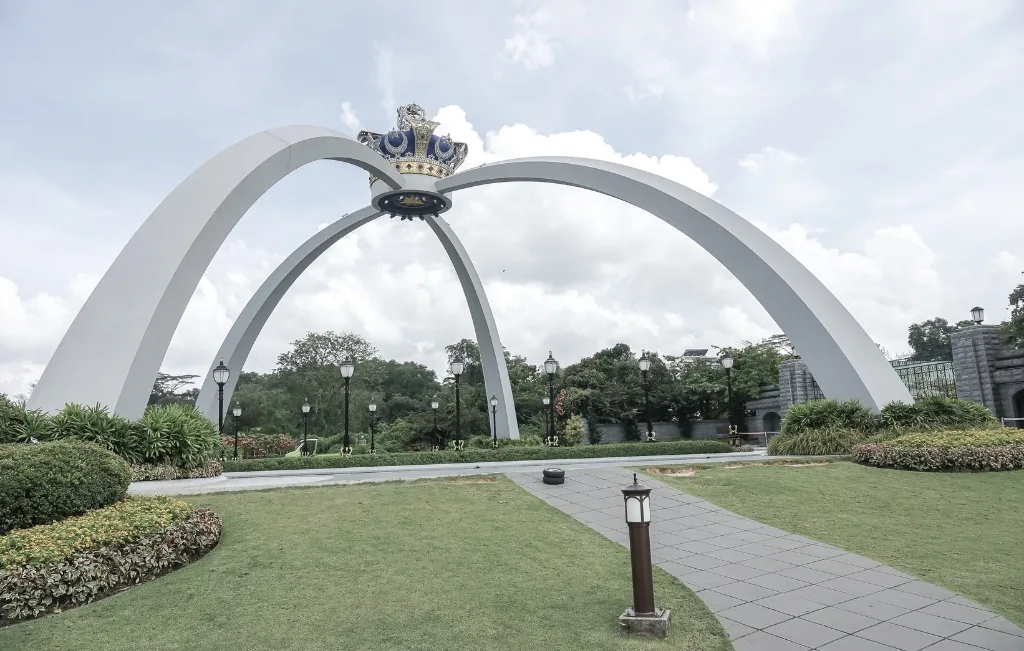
(347, 368)
(237, 413)
(727, 362)
(494, 421)
(373, 410)
(221, 374)
(977, 315)
(547, 418)
(456, 368)
(551, 367)
(437, 433)
(644, 617)
(645, 365)
(305, 425)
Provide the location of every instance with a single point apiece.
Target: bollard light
(644, 618)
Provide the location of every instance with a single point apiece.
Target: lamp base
(655, 625)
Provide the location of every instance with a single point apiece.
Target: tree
(1014, 328)
(932, 340)
(316, 350)
(168, 388)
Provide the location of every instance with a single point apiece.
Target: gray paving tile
(806, 574)
(851, 643)
(787, 603)
(986, 638)
(805, 632)
(795, 557)
(769, 564)
(679, 510)
(834, 567)
(958, 613)
(930, 624)
(899, 637)
(745, 591)
(882, 579)
(927, 590)
(761, 641)
(727, 541)
(751, 536)
(719, 529)
(694, 534)
(743, 524)
(663, 554)
(891, 570)
(717, 601)
(850, 586)
(873, 607)
(572, 508)
(952, 645)
(702, 562)
(754, 615)
(776, 582)
(798, 538)
(700, 579)
(821, 595)
(1003, 625)
(821, 551)
(734, 629)
(859, 561)
(740, 572)
(771, 531)
(730, 555)
(784, 543)
(841, 620)
(905, 600)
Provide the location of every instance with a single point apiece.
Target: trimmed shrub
(828, 415)
(509, 453)
(21, 425)
(178, 434)
(55, 567)
(157, 472)
(815, 442)
(47, 482)
(573, 433)
(951, 450)
(937, 412)
(97, 425)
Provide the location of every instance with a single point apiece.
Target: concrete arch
(843, 359)
(112, 352)
(239, 340)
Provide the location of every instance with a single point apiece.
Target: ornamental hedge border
(950, 451)
(540, 453)
(159, 472)
(181, 534)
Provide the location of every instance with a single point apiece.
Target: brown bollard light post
(644, 618)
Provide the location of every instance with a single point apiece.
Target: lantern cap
(494, 400)
(551, 364)
(636, 488)
(644, 362)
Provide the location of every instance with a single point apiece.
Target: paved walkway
(775, 591)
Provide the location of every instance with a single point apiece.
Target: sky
(879, 141)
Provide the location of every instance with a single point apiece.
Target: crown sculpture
(413, 148)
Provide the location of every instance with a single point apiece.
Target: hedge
(540, 453)
(51, 568)
(971, 450)
(157, 472)
(46, 482)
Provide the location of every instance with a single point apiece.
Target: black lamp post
(551, 367)
(347, 368)
(977, 315)
(221, 374)
(645, 365)
(305, 425)
(727, 362)
(456, 368)
(547, 417)
(437, 432)
(373, 411)
(494, 421)
(644, 617)
(237, 413)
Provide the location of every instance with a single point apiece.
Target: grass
(428, 565)
(962, 531)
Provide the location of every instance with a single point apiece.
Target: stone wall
(665, 431)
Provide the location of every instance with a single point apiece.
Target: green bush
(949, 450)
(20, 425)
(51, 568)
(815, 442)
(573, 433)
(508, 453)
(937, 412)
(157, 472)
(828, 415)
(178, 434)
(47, 482)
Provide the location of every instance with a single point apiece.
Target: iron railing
(925, 379)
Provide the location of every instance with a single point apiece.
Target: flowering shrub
(45, 482)
(985, 449)
(257, 445)
(51, 568)
(156, 472)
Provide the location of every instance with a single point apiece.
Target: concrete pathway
(775, 591)
(239, 481)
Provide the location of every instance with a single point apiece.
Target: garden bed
(53, 567)
(972, 451)
(161, 472)
(518, 453)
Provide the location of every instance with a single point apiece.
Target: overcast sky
(880, 141)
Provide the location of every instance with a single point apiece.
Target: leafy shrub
(97, 425)
(47, 482)
(984, 449)
(187, 439)
(936, 412)
(828, 415)
(55, 567)
(573, 433)
(156, 472)
(815, 442)
(257, 445)
(20, 425)
(508, 453)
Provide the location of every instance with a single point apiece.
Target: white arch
(239, 340)
(843, 359)
(112, 352)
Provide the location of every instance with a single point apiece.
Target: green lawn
(431, 565)
(962, 531)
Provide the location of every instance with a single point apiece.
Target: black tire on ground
(555, 473)
(554, 480)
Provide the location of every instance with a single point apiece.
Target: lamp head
(494, 402)
(347, 368)
(977, 315)
(457, 366)
(237, 411)
(305, 406)
(372, 406)
(546, 400)
(644, 362)
(550, 364)
(727, 362)
(638, 502)
(434, 404)
(221, 374)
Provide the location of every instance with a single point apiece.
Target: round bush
(47, 482)
(951, 450)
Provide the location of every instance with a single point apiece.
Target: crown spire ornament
(412, 147)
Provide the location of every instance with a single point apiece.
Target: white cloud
(349, 117)
(529, 45)
(769, 156)
(384, 76)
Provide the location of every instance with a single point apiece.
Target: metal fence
(927, 378)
